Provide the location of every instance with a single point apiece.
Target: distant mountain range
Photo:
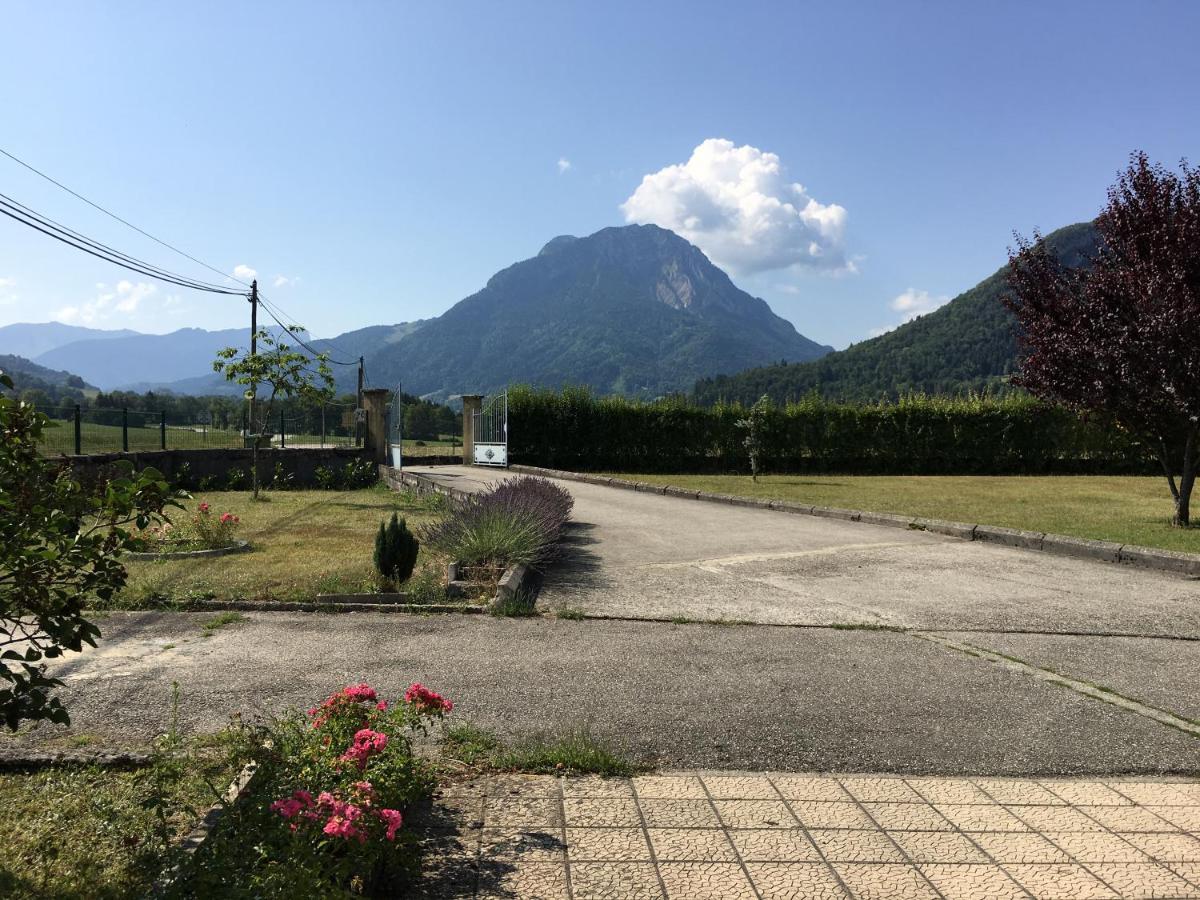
(969, 344)
(635, 310)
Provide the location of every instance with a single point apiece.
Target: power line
(278, 309)
(31, 213)
(113, 215)
(126, 262)
(293, 329)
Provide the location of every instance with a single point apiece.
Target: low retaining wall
(1057, 544)
(190, 466)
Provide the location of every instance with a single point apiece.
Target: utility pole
(253, 350)
(358, 411)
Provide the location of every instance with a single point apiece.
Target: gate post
(472, 404)
(375, 402)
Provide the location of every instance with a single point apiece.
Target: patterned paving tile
(972, 882)
(728, 787)
(1060, 882)
(592, 786)
(522, 812)
(948, 790)
(801, 787)
(1129, 818)
(694, 845)
(1147, 793)
(973, 817)
(666, 787)
(1009, 790)
(524, 844)
(607, 845)
(1054, 818)
(891, 882)
(529, 881)
(823, 814)
(706, 881)
(679, 814)
(614, 881)
(594, 812)
(754, 813)
(523, 786)
(1019, 847)
(882, 790)
(856, 846)
(1186, 818)
(795, 881)
(1144, 881)
(938, 847)
(773, 845)
(1096, 846)
(1182, 848)
(907, 816)
(1086, 793)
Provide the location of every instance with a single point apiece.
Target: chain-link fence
(75, 430)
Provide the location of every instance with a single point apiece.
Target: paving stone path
(764, 836)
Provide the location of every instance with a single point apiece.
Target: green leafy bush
(359, 473)
(1016, 434)
(324, 477)
(281, 479)
(395, 550)
(325, 814)
(237, 479)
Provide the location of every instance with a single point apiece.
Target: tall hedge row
(573, 429)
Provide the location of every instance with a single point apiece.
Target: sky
(854, 164)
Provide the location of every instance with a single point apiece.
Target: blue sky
(381, 160)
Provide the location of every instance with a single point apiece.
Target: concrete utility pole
(358, 427)
(253, 350)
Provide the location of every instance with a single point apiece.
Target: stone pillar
(472, 403)
(375, 402)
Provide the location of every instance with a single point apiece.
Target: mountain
(634, 310)
(967, 345)
(30, 340)
(56, 386)
(151, 359)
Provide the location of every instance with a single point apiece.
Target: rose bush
(326, 817)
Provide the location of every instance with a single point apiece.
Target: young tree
(755, 427)
(60, 545)
(1119, 337)
(283, 372)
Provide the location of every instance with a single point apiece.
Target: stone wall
(301, 463)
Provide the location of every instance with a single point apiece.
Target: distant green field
(96, 438)
(1126, 509)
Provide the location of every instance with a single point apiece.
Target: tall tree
(1120, 337)
(279, 371)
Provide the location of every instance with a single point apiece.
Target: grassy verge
(577, 753)
(1129, 510)
(86, 832)
(302, 543)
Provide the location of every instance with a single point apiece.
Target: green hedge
(573, 429)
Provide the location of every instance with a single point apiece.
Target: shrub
(326, 812)
(324, 477)
(395, 550)
(519, 521)
(207, 483)
(359, 473)
(213, 531)
(281, 479)
(237, 479)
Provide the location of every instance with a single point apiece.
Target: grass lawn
(1129, 509)
(302, 543)
(86, 832)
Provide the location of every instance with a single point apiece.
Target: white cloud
(911, 304)
(915, 303)
(736, 205)
(243, 272)
(7, 283)
(122, 299)
(563, 164)
(284, 281)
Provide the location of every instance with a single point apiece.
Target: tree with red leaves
(1120, 337)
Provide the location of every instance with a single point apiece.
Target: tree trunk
(254, 464)
(1187, 480)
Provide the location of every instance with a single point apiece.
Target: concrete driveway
(633, 554)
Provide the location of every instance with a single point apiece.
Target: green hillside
(966, 345)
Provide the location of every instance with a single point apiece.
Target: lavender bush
(518, 521)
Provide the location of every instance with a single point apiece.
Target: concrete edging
(238, 546)
(1054, 544)
(20, 760)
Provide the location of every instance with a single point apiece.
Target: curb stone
(238, 546)
(42, 759)
(328, 607)
(1054, 544)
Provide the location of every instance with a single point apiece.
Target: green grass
(75, 832)
(103, 438)
(220, 620)
(577, 753)
(1125, 509)
(302, 543)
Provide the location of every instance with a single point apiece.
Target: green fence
(74, 430)
(572, 429)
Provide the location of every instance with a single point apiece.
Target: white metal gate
(490, 430)
(395, 413)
